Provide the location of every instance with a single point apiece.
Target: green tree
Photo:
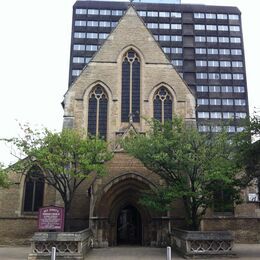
(4, 181)
(192, 164)
(67, 158)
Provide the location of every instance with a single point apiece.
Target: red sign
(51, 218)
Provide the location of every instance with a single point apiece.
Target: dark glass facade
(204, 44)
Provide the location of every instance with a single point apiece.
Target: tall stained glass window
(162, 105)
(130, 107)
(97, 112)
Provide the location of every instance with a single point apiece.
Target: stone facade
(100, 201)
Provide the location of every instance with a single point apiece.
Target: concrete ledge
(69, 245)
(192, 244)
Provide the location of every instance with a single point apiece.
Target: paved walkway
(243, 251)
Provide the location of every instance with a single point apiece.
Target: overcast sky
(34, 61)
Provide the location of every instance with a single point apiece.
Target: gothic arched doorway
(129, 226)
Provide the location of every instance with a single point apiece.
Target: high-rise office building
(204, 44)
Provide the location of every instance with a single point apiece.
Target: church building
(128, 80)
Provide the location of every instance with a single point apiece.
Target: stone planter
(69, 245)
(192, 244)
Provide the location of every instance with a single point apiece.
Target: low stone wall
(202, 243)
(69, 245)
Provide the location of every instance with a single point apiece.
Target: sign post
(51, 218)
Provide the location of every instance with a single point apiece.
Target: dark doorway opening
(129, 226)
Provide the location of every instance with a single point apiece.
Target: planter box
(69, 245)
(202, 243)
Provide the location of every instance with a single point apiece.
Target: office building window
(91, 47)
(164, 25)
(177, 63)
(215, 102)
(97, 112)
(225, 63)
(176, 26)
(199, 15)
(239, 89)
(152, 25)
(211, 27)
(240, 129)
(200, 39)
(233, 17)
(142, 13)
(234, 28)
(224, 51)
(79, 47)
(214, 76)
(213, 63)
(87, 59)
(76, 73)
(164, 14)
(92, 35)
(201, 63)
(240, 102)
(92, 23)
(102, 36)
(222, 16)
(211, 16)
(237, 64)
(222, 27)
(238, 76)
(202, 101)
(212, 51)
(199, 27)
(176, 14)
(236, 52)
(200, 51)
(105, 12)
(216, 129)
(162, 105)
(202, 88)
(226, 89)
(226, 76)
(235, 39)
(114, 24)
(203, 115)
(240, 115)
(81, 11)
(164, 38)
(227, 102)
(130, 106)
(166, 49)
(176, 50)
(201, 75)
(80, 23)
(223, 39)
(176, 38)
(93, 11)
(78, 60)
(212, 39)
(215, 115)
(152, 14)
(228, 115)
(104, 24)
(117, 12)
(79, 35)
(214, 89)
(204, 128)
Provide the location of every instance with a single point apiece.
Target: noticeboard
(51, 218)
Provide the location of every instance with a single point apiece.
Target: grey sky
(34, 61)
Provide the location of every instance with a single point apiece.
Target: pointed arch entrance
(129, 226)
(119, 216)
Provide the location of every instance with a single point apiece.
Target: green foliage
(67, 158)
(4, 181)
(191, 163)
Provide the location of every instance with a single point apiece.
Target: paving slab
(243, 251)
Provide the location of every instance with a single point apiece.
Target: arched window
(34, 190)
(162, 105)
(97, 112)
(130, 87)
